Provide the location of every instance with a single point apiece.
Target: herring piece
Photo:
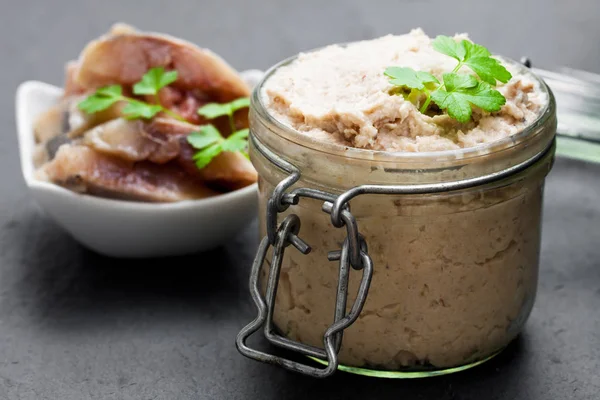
(85, 170)
(51, 146)
(162, 140)
(125, 55)
(228, 170)
(66, 118)
(80, 121)
(128, 140)
(72, 88)
(52, 122)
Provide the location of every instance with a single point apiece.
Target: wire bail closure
(354, 253)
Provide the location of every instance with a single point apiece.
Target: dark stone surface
(75, 325)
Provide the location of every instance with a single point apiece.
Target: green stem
(128, 99)
(455, 70)
(231, 123)
(426, 104)
(165, 110)
(174, 114)
(423, 108)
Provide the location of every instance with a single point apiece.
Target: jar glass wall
(455, 273)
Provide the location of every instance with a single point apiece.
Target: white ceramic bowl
(125, 228)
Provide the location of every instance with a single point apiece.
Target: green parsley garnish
(457, 92)
(207, 140)
(154, 80)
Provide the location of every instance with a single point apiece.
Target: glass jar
(420, 263)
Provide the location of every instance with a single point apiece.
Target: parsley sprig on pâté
(457, 92)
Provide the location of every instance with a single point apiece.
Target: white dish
(120, 228)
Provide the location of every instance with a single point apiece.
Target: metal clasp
(332, 338)
(353, 253)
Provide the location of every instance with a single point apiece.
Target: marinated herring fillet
(136, 147)
(85, 170)
(162, 140)
(125, 55)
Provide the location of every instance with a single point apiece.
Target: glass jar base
(407, 374)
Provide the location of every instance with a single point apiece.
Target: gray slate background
(75, 325)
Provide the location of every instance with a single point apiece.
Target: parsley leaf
(101, 100)
(205, 136)
(236, 142)
(241, 134)
(206, 155)
(473, 50)
(461, 92)
(474, 56)
(137, 109)
(242, 102)
(485, 97)
(489, 69)
(110, 91)
(458, 92)
(454, 102)
(450, 47)
(209, 142)
(154, 80)
(455, 82)
(94, 104)
(401, 76)
(214, 110)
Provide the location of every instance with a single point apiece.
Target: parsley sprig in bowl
(208, 141)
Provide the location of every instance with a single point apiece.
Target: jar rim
(545, 116)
